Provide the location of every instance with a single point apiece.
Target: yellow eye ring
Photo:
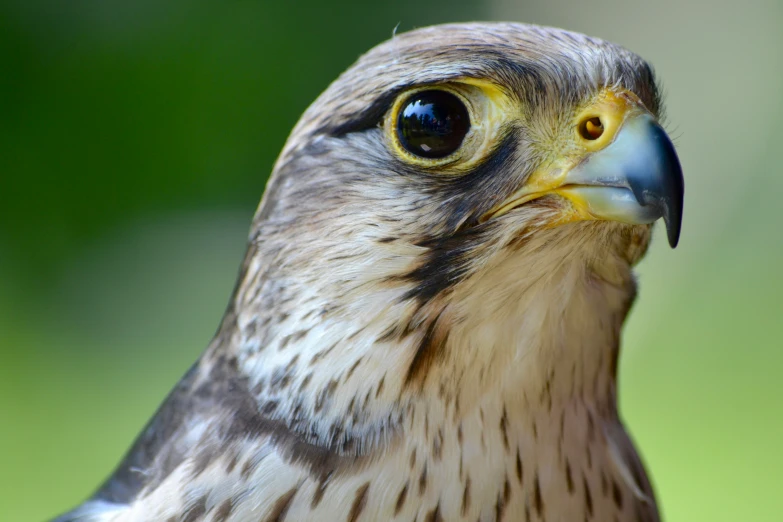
(489, 111)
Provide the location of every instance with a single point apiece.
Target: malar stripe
(463, 200)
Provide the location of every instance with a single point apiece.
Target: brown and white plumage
(399, 349)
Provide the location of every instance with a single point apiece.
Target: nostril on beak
(591, 128)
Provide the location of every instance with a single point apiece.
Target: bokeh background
(135, 142)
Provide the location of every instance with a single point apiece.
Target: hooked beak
(630, 173)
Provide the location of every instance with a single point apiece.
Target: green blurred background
(135, 142)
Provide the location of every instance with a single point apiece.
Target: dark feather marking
(500, 508)
(367, 119)
(437, 443)
(232, 463)
(305, 381)
(423, 480)
(320, 489)
(538, 501)
(281, 506)
(519, 467)
(247, 469)
(466, 497)
(323, 353)
(259, 387)
(588, 496)
(504, 428)
(401, 499)
(617, 494)
(353, 368)
(196, 511)
(396, 331)
(569, 477)
(434, 515)
(430, 347)
(292, 338)
(292, 363)
(223, 511)
(207, 452)
(358, 503)
(325, 395)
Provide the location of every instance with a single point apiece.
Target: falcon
(427, 322)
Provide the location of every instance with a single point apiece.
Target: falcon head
(434, 290)
(460, 210)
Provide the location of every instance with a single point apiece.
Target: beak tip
(673, 211)
(657, 179)
(673, 233)
(672, 214)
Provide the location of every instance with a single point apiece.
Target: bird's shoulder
(209, 406)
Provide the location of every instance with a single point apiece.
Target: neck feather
(344, 376)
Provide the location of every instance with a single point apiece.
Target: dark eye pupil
(432, 124)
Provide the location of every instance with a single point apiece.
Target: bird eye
(432, 124)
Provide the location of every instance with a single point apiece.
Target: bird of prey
(427, 322)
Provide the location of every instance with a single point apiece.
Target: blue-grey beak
(635, 179)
